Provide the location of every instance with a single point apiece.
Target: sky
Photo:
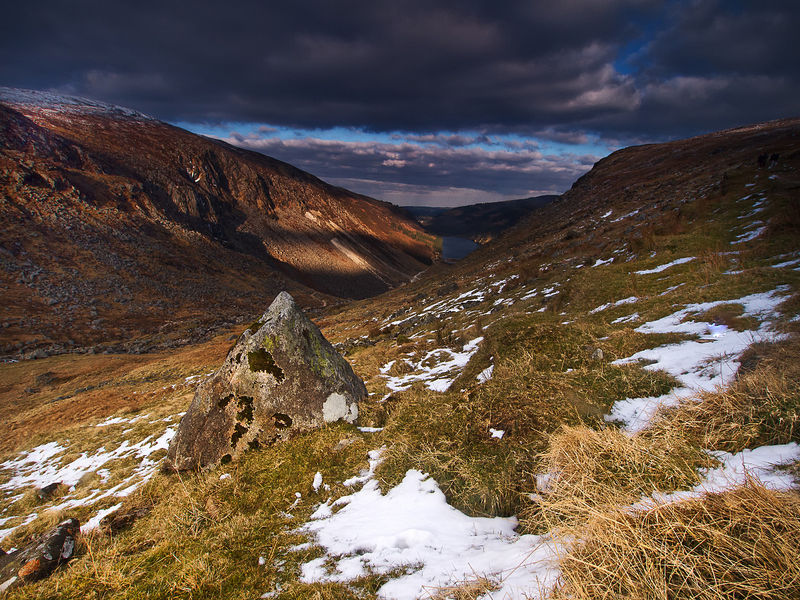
(421, 102)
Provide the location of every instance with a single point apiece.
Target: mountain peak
(52, 102)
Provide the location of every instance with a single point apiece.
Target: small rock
(45, 378)
(122, 519)
(40, 558)
(597, 354)
(47, 492)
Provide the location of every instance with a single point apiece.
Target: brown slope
(116, 225)
(643, 189)
(617, 209)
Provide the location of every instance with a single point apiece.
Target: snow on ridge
(630, 214)
(52, 101)
(749, 235)
(628, 300)
(600, 262)
(626, 319)
(438, 377)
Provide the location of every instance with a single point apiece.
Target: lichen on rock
(279, 379)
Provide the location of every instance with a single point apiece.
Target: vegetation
(530, 440)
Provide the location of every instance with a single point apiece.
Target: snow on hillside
(701, 364)
(129, 457)
(55, 103)
(412, 524)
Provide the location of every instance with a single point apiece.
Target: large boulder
(281, 377)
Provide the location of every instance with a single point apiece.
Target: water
(456, 248)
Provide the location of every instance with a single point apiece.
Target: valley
(577, 409)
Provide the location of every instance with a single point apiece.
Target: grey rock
(122, 519)
(282, 377)
(40, 558)
(45, 378)
(597, 354)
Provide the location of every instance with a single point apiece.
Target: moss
(269, 343)
(262, 361)
(255, 326)
(319, 361)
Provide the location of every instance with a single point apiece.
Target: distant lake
(456, 248)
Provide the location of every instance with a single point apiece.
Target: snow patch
(412, 527)
(678, 261)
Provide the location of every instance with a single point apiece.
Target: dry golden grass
(471, 589)
(87, 387)
(592, 470)
(762, 407)
(734, 545)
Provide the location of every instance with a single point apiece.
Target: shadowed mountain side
(478, 222)
(114, 223)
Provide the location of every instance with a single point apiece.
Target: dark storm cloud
(714, 64)
(607, 72)
(405, 64)
(417, 65)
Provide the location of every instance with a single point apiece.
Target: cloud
(501, 171)
(573, 72)
(410, 65)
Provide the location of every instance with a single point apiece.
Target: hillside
(478, 222)
(604, 402)
(121, 231)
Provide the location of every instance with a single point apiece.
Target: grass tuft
(589, 470)
(739, 544)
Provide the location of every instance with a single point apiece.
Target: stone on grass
(40, 558)
(48, 491)
(280, 378)
(122, 519)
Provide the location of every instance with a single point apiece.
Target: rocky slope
(117, 225)
(640, 192)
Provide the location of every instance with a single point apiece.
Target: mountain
(116, 224)
(478, 222)
(614, 382)
(637, 194)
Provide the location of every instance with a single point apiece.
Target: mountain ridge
(122, 207)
